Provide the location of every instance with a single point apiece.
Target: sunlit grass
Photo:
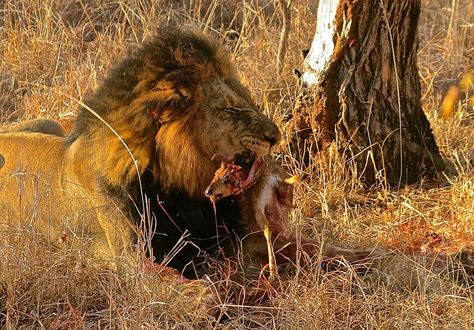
(52, 50)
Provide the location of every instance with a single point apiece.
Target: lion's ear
(154, 114)
(170, 101)
(163, 115)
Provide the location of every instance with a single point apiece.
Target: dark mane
(177, 214)
(185, 57)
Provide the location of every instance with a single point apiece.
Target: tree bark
(361, 88)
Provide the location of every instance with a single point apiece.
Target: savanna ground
(53, 51)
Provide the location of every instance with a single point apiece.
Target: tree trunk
(362, 75)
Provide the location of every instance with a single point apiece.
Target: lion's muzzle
(262, 139)
(271, 133)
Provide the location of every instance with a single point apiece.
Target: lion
(156, 128)
(144, 147)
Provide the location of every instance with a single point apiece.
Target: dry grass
(52, 50)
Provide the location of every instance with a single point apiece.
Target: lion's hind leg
(41, 125)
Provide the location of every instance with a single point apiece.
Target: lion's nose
(272, 135)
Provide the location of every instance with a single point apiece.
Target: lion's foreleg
(119, 239)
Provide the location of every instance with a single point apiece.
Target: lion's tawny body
(57, 195)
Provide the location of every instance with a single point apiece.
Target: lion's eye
(232, 110)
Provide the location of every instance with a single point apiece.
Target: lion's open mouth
(250, 164)
(245, 159)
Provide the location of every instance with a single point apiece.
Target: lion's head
(179, 105)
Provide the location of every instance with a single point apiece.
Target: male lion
(179, 109)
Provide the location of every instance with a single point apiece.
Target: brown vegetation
(53, 51)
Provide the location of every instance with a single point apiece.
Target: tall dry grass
(54, 50)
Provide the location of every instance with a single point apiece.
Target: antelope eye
(226, 179)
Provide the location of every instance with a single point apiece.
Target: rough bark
(361, 79)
